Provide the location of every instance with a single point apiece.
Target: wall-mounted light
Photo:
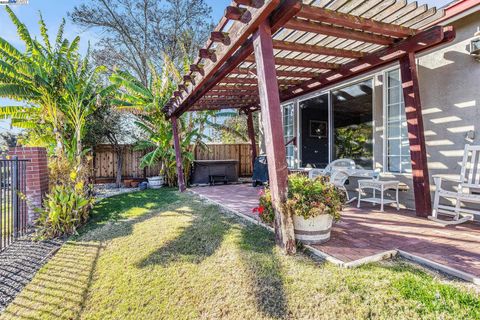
(475, 46)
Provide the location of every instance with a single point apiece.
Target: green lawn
(163, 255)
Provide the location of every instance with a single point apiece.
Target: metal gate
(13, 205)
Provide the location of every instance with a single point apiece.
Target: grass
(164, 255)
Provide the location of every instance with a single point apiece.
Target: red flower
(259, 209)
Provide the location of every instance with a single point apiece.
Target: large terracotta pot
(314, 230)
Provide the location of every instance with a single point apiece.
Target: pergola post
(418, 152)
(178, 155)
(251, 136)
(275, 145)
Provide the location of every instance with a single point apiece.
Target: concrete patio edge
(440, 267)
(363, 261)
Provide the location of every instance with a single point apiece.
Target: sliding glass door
(314, 126)
(352, 108)
(338, 129)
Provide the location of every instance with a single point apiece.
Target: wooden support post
(178, 155)
(251, 136)
(418, 152)
(272, 123)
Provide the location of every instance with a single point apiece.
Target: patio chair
(468, 187)
(338, 172)
(340, 164)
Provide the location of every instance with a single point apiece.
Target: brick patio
(365, 232)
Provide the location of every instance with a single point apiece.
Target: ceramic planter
(313, 230)
(155, 182)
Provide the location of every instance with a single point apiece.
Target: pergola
(265, 52)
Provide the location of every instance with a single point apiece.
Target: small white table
(381, 186)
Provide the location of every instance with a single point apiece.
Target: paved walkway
(365, 232)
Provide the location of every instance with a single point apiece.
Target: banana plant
(56, 87)
(147, 103)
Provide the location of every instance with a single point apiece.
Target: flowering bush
(265, 208)
(306, 197)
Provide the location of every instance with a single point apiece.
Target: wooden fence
(105, 160)
(105, 164)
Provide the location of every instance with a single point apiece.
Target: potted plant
(313, 203)
(155, 182)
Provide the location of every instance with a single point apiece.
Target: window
(398, 146)
(289, 133)
(353, 123)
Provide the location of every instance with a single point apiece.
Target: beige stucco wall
(450, 94)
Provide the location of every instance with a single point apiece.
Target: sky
(54, 10)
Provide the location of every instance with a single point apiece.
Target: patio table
(381, 186)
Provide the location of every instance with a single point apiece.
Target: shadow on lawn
(196, 242)
(130, 205)
(259, 255)
(60, 290)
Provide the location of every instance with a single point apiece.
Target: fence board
(105, 160)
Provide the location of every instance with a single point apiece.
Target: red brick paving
(366, 231)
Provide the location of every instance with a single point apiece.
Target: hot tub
(203, 170)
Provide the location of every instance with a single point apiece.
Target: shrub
(265, 208)
(65, 209)
(307, 198)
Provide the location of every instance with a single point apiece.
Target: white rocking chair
(337, 170)
(467, 191)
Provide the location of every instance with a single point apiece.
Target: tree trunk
(118, 178)
(261, 135)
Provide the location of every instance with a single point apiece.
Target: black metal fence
(13, 205)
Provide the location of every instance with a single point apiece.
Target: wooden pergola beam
(251, 3)
(354, 22)
(208, 54)
(229, 57)
(421, 41)
(235, 87)
(238, 14)
(254, 81)
(300, 63)
(280, 73)
(313, 49)
(220, 37)
(328, 30)
(272, 124)
(416, 136)
(231, 93)
(235, 101)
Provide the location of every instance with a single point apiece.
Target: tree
(231, 127)
(8, 139)
(108, 125)
(136, 33)
(58, 88)
(147, 102)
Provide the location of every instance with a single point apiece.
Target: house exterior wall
(450, 94)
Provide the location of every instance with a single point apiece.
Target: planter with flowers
(313, 203)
